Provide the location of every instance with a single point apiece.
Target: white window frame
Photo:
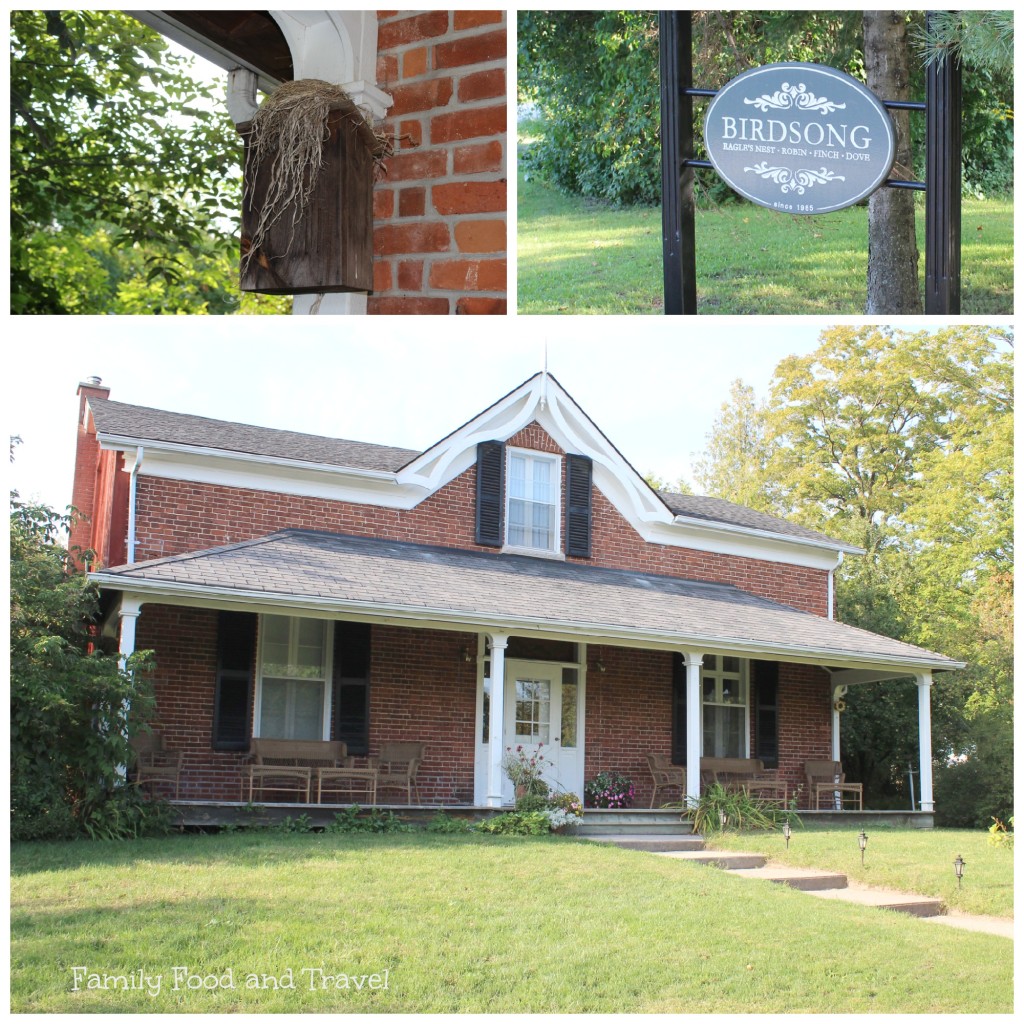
(531, 455)
(720, 675)
(292, 643)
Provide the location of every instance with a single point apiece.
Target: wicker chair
(155, 764)
(397, 765)
(666, 775)
(828, 778)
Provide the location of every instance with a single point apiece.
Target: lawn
(464, 923)
(912, 860)
(579, 256)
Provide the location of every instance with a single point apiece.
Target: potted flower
(564, 810)
(525, 769)
(610, 789)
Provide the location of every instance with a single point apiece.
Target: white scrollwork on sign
(790, 96)
(794, 181)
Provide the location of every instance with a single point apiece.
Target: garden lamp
(862, 841)
(723, 818)
(786, 832)
(958, 867)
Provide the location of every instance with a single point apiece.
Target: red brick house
(519, 571)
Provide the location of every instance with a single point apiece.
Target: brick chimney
(83, 492)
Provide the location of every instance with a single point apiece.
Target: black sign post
(747, 142)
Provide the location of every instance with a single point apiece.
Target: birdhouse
(307, 208)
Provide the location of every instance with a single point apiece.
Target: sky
(654, 385)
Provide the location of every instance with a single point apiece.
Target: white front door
(542, 712)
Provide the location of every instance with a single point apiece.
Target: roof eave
(454, 619)
(121, 442)
(825, 543)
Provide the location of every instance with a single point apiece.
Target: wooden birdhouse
(307, 212)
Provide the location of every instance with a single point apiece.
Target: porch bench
(739, 773)
(287, 766)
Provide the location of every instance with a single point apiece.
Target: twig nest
(289, 130)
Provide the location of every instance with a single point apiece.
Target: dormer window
(533, 492)
(520, 504)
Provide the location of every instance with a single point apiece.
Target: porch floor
(217, 813)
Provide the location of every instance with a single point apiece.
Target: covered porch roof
(368, 579)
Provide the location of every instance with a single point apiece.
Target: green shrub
(531, 802)
(532, 823)
(445, 823)
(353, 820)
(740, 809)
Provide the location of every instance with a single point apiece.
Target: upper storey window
(520, 504)
(532, 518)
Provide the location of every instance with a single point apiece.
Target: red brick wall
(421, 689)
(629, 715)
(87, 462)
(439, 214)
(178, 516)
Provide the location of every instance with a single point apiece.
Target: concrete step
(653, 844)
(886, 899)
(805, 879)
(720, 858)
(630, 828)
(635, 816)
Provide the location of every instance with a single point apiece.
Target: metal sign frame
(943, 171)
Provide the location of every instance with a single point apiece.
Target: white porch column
(496, 739)
(837, 693)
(924, 730)
(129, 615)
(129, 612)
(693, 664)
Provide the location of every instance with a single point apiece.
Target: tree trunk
(892, 240)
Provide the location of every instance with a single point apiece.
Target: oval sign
(799, 138)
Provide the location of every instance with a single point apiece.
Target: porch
(369, 641)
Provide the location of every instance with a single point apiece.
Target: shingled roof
(141, 424)
(117, 419)
(449, 585)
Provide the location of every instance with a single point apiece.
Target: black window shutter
(678, 710)
(766, 712)
(236, 651)
(490, 493)
(579, 473)
(352, 685)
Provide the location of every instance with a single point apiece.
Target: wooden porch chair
(826, 778)
(397, 765)
(287, 766)
(154, 763)
(666, 775)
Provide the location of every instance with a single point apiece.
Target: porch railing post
(943, 177)
(496, 748)
(924, 729)
(693, 664)
(677, 209)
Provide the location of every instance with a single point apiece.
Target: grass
(580, 256)
(467, 923)
(912, 860)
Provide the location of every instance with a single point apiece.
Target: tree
(902, 443)
(125, 172)
(892, 240)
(69, 700)
(739, 453)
